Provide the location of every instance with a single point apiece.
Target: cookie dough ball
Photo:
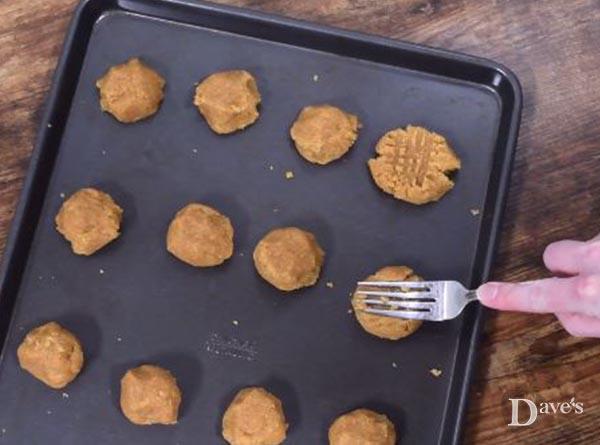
(378, 325)
(289, 258)
(150, 395)
(323, 133)
(254, 417)
(51, 354)
(200, 236)
(362, 427)
(413, 165)
(228, 100)
(89, 220)
(131, 91)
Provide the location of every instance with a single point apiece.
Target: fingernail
(488, 291)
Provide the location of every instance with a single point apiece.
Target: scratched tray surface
(224, 328)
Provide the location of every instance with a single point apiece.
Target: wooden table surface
(552, 46)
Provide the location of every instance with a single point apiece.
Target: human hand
(575, 300)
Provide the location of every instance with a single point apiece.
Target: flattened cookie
(254, 417)
(51, 354)
(228, 100)
(89, 219)
(131, 91)
(362, 427)
(200, 236)
(413, 165)
(387, 327)
(324, 133)
(289, 258)
(150, 395)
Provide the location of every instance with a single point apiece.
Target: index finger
(579, 294)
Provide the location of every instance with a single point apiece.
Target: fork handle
(471, 295)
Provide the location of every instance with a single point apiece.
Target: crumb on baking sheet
(119, 339)
(49, 125)
(329, 284)
(271, 167)
(62, 195)
(241, 254)
(65, 395)
(350, 311)
(435, 372)
(289, 174)
(475, 211)
(101, 271)
(275, 210)
(315, 77)
(235, 322)
(103, 152)
(194, 150)
(394, 365)
(3, 430)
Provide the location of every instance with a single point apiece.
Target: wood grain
(555, 192)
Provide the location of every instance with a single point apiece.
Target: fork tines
(404, 292)
(410, 296)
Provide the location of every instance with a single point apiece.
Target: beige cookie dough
(387, 327)
(150, 395)
(254, 417)
(131, 91)
(413, 165)
(289, 258)
(89, 219)
(324, 133)
(362, 427)
(228, 100)
(51, 354)
(200, 236)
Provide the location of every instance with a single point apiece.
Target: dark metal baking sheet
(132, 302)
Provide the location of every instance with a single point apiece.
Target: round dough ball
(228, 100)
(254, 417)
(150, 395)
(413, 165)
(362, 427)
(387, 327)
(324, 133)
(89, 220)
(289, 258)
(200, 236)
(131, 91)
(51, 354)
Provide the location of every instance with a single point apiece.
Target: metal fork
(420, 300)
